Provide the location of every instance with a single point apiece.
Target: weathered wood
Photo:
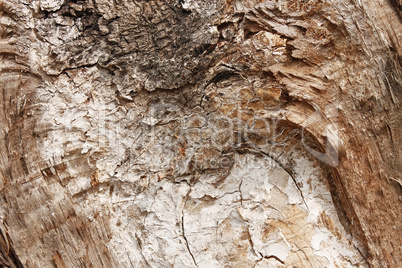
(200, 133)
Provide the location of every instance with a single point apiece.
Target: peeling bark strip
(273, 128)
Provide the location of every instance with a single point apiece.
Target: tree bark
(193, 133)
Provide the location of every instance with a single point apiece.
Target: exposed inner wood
(197, 133)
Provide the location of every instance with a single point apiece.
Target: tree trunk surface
(200, 133)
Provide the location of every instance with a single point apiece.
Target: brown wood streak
(8, 257)
(58, 260)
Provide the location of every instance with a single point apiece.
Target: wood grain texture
(200, 133)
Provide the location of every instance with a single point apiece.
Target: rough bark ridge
(126, 125)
